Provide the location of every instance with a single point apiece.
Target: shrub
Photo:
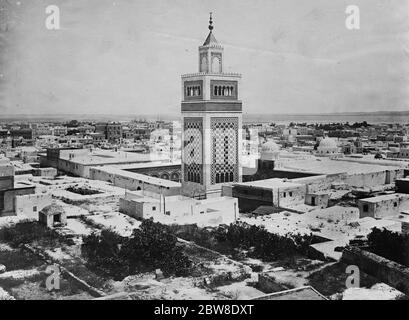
(26, 232)
(103, 252)
(19, 259)
(256, 240)
(390, 245)
(150, 247)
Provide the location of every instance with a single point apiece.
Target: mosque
(328, 148)
(211, 147)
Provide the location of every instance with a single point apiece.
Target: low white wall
(31, 204)
(131, 183)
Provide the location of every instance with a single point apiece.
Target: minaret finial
(211, 23)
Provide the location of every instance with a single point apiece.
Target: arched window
(217, 178)
(198, 91)
(204, 64)
(215, 90)
(222, 178)
(231, 177)
(219, 91)
(224, 91)
(216, 65)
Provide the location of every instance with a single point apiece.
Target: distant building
(60, 131)
(327, 146)
(383, 206)
(10, 189)
(114, 132)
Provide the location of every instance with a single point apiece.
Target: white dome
(270, 146)
(328, 143)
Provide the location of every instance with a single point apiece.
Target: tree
(103, 252)
(390, 245)
(150, 247)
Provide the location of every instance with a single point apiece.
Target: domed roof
(52, 209)
(328, 143)
(270, 146)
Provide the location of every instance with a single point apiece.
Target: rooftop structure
(302, 293)
(180, 209)
(79, 161)
(134, 181)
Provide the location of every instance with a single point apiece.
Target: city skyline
(221, 152)
(126, 58)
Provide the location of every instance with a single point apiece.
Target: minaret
(211, 124)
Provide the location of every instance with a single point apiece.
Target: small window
(167, 213)
(284, 194)
(395, 204)
(366, 208)
(153, 208)
(35, 209)
(291, 194)
(201, 212)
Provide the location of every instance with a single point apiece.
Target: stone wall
(268, 284)
(387, 271)
(31, 204)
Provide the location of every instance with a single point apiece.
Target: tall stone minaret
(211, 124)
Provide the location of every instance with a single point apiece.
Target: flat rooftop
(369, 158)
(270, 184)
(101, 157)
(302, 293)
(23, 185)
(324, 165)
(386, 197)
(143, 165)
(138, 176)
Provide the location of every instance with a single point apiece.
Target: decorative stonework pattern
(224, 167)
(193, 149)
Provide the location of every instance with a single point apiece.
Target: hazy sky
(126, 56)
